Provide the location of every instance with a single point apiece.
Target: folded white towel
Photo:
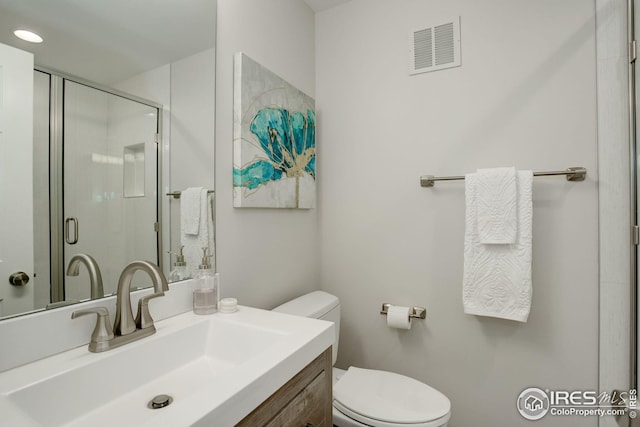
(497, 278)
(496, 205)
(190, 210)
(193, 244)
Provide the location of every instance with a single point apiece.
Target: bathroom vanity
(305, 400)
(252, 367)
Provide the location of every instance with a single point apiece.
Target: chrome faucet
(124, 323)
(97, 291)
(125, 328)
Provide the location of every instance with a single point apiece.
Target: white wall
(154, 85)
(265, 256)
(524, 96)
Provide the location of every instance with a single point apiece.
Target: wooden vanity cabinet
(305, 401)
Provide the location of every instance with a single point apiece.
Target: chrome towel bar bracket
(572, 174)
(416, 312)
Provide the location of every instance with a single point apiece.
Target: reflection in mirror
(102, 186)
(96, 127)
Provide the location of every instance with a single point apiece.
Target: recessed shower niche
(133, 171)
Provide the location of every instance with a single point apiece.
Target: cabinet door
(306, 409)
(306, 400)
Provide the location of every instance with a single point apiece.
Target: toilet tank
(316, 305)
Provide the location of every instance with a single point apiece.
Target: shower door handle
(67, 223)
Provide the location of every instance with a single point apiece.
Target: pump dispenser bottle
(205, 296)
(180, 271)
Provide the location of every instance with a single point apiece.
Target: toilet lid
(389, 397)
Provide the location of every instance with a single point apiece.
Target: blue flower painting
(274, 140)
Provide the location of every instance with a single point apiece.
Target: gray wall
(265, 256)
(524, 96)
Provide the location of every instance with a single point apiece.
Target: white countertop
(218, 368)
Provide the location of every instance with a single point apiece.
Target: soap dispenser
(180, 271)
(205, 296)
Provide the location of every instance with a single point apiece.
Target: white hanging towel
(496, 205)
(497, 277)
(193, 243)
(190, 210)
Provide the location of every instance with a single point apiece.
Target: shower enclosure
(96, 169)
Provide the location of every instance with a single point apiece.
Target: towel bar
(177, 194)
(573, 174)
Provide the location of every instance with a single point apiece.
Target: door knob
(19, 279)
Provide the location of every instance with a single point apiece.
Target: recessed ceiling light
(28, 36)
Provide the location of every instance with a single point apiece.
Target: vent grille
(423, 48)
(444, 43)
(435, 48)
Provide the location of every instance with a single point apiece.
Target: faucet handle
(143, 318)
(102, 333)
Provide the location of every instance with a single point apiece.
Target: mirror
(157, 51)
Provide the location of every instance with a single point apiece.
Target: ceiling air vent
(435, 48)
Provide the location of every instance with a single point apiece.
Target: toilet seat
(387, 399)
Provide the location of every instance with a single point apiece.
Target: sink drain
(160, 401)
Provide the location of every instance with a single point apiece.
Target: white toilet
(365, 397)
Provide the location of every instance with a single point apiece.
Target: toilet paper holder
(416, 312)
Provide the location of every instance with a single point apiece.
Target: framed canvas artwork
(274, 151)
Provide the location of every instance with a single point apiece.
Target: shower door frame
(56, 143)
(634, 199)
(616, 115)
(633, 194)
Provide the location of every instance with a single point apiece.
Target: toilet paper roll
(398, 317)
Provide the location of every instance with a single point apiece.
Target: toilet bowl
(367, 397)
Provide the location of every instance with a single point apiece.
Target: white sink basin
(217, 369)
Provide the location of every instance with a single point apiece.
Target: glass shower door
(110, 195)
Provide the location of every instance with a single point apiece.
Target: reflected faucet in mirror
(125, 328)
(95, 277)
